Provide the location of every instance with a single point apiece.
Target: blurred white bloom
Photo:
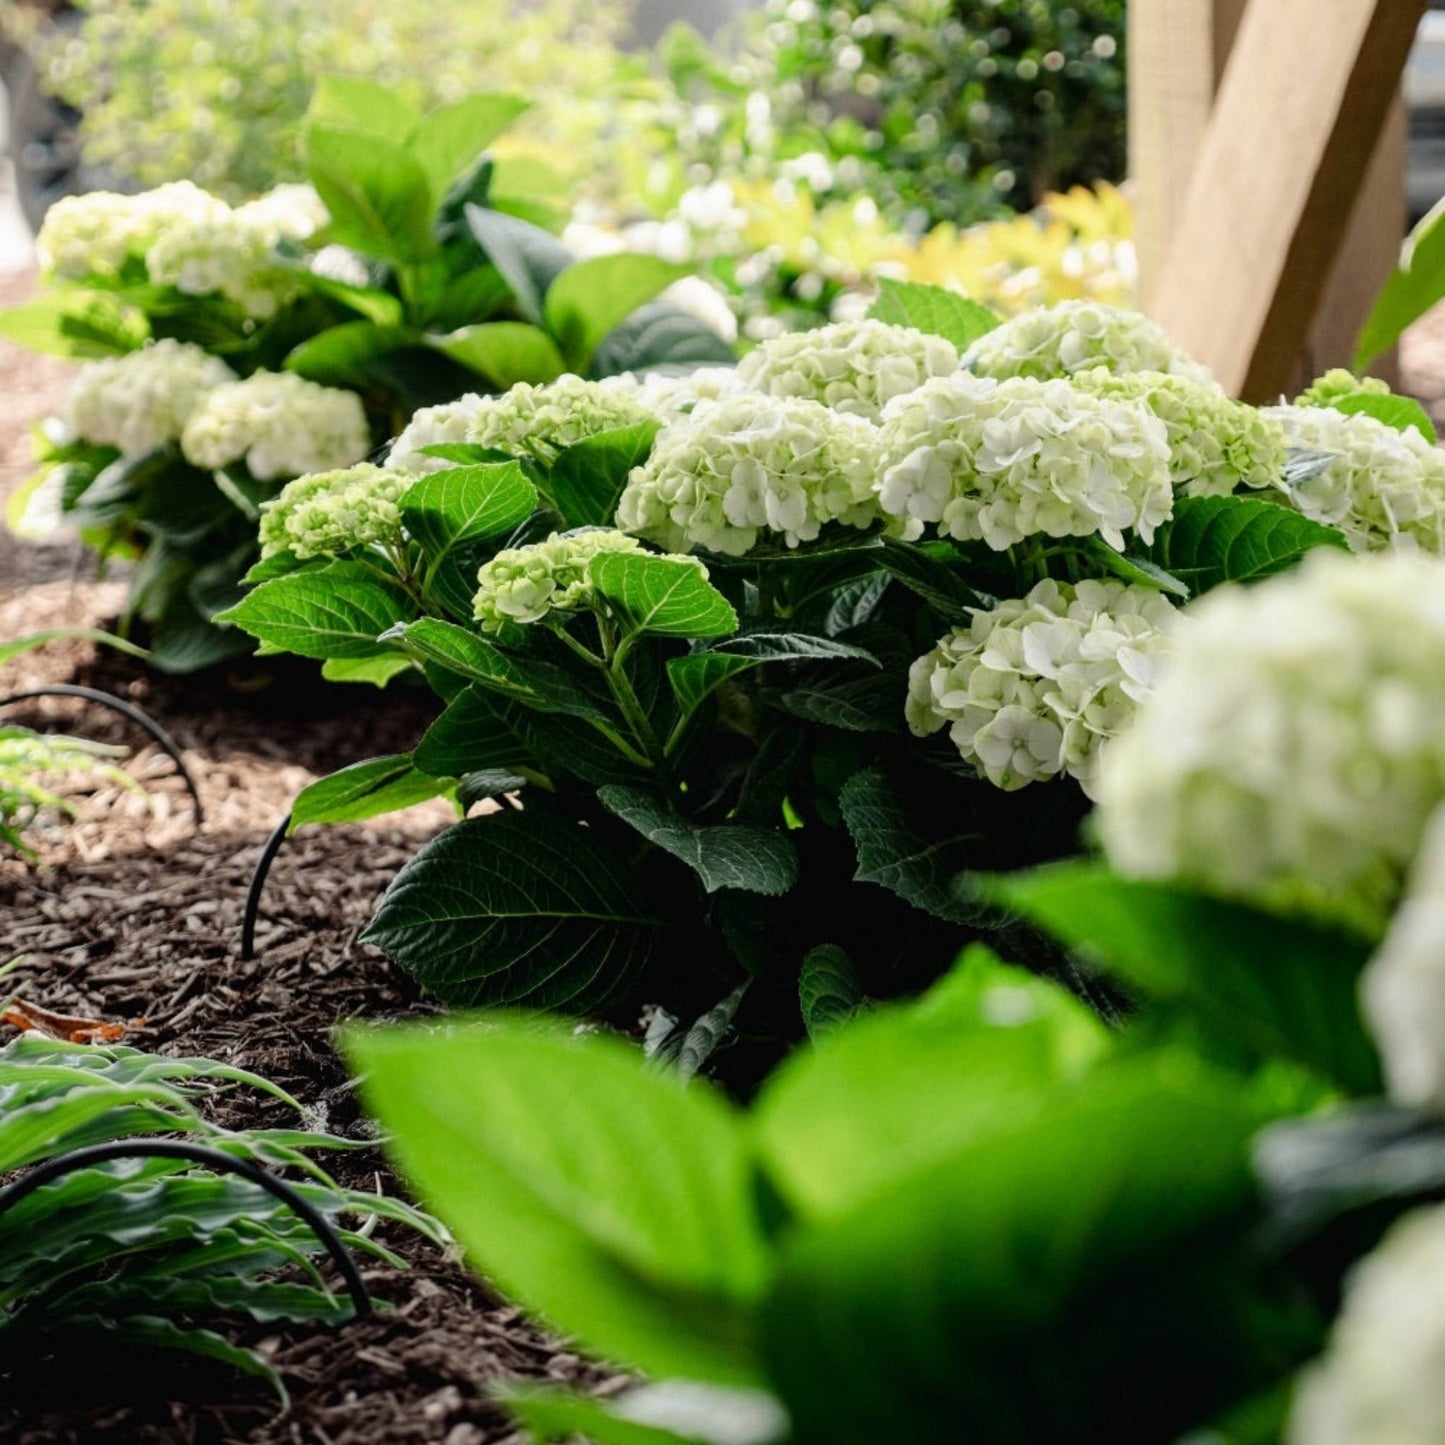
(97, 233)
(340, 263)
(855, 366)
(1001, 461)
(1292, 750)
(540, 421)
(748, 464)
(280, 425)
(1382, 1381)
(328, 513)
(1035, 686)
(144, 399)
(669, 397)
(291, 212)
(1074, 336)
(1216, 444)
(1403, 989)
(219, 258)
(703, 301)
(434, 426)
(524, 584)
(1382, 488)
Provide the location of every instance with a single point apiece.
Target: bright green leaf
(1415, 285)
(1399, 412)
(934, 310)
(377, 194)
(449, 139)
(506, 353)
(79, 325)
(351, 103)
(587, 479)
(378, 671)
(666, 596)
(365, 790)
(591, 297)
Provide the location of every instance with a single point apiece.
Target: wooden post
(1251, 245)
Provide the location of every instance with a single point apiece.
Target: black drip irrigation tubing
(258, 882)
(163, 739)
(63, 1164)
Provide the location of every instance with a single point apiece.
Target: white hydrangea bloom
(1382, 488)
(1035, 686)
(749, 464)
(669, 397)
(434, 426)
(1004, 460)
(1216, 444)
(327, 513)
(524, 584)
(144, 399)
(540, 421)
(1403, 989)
(1075, 336)
(1292, 750)
(288, 212)
(280, 425)
(852, 366)
(97, 233)
(1382, 1381)
(219, 258)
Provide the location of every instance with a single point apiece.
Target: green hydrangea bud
(328, 513)
(524, 584)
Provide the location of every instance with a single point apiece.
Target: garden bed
(136, 915)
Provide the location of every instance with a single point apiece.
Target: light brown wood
(1299, 113)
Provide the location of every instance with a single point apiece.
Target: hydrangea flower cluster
(144, 399)
(1380, 1380)
(228, 253)
(749, 463)
(1292, 750)
(1001, 461)
(279, 424)
(97, 233)
(1403, 989)
(1216, 444)
(1326, 390)
(524, 584)
(540, 421)
(671, 397)
(328, 513)
(1381, 487)
(434, 426)
(851, 366)
(1037, 685)
(1076, 336)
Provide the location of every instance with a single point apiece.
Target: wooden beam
(1299, 113)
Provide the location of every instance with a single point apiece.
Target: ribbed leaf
(339, 611)
(477, 731)
(450, 138)
(365, 790)
(934, 310)
(377, 195)
(1400, 412)
(667, 596)
(723, 855)
(830, 991)
(1212, 540)
(516, 908)
(591, 297)
(587, 479)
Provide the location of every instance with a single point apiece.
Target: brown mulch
(136, 914)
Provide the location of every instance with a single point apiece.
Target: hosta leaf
(449, 139)
(1400, 412)
(1212, 540)
(506, 353)
(657, 335)
(723, 855)
(895, 852)
(667, 596)
(516, 908)
(587, 479)
(934, 310)
(1274, 986)
(365, 790)
(338, 611)
(615, 1203)
(476, 732)
(829, 990)
(377, 195)
(525, 254)
(591, 297)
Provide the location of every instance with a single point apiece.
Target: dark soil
(135, 913)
